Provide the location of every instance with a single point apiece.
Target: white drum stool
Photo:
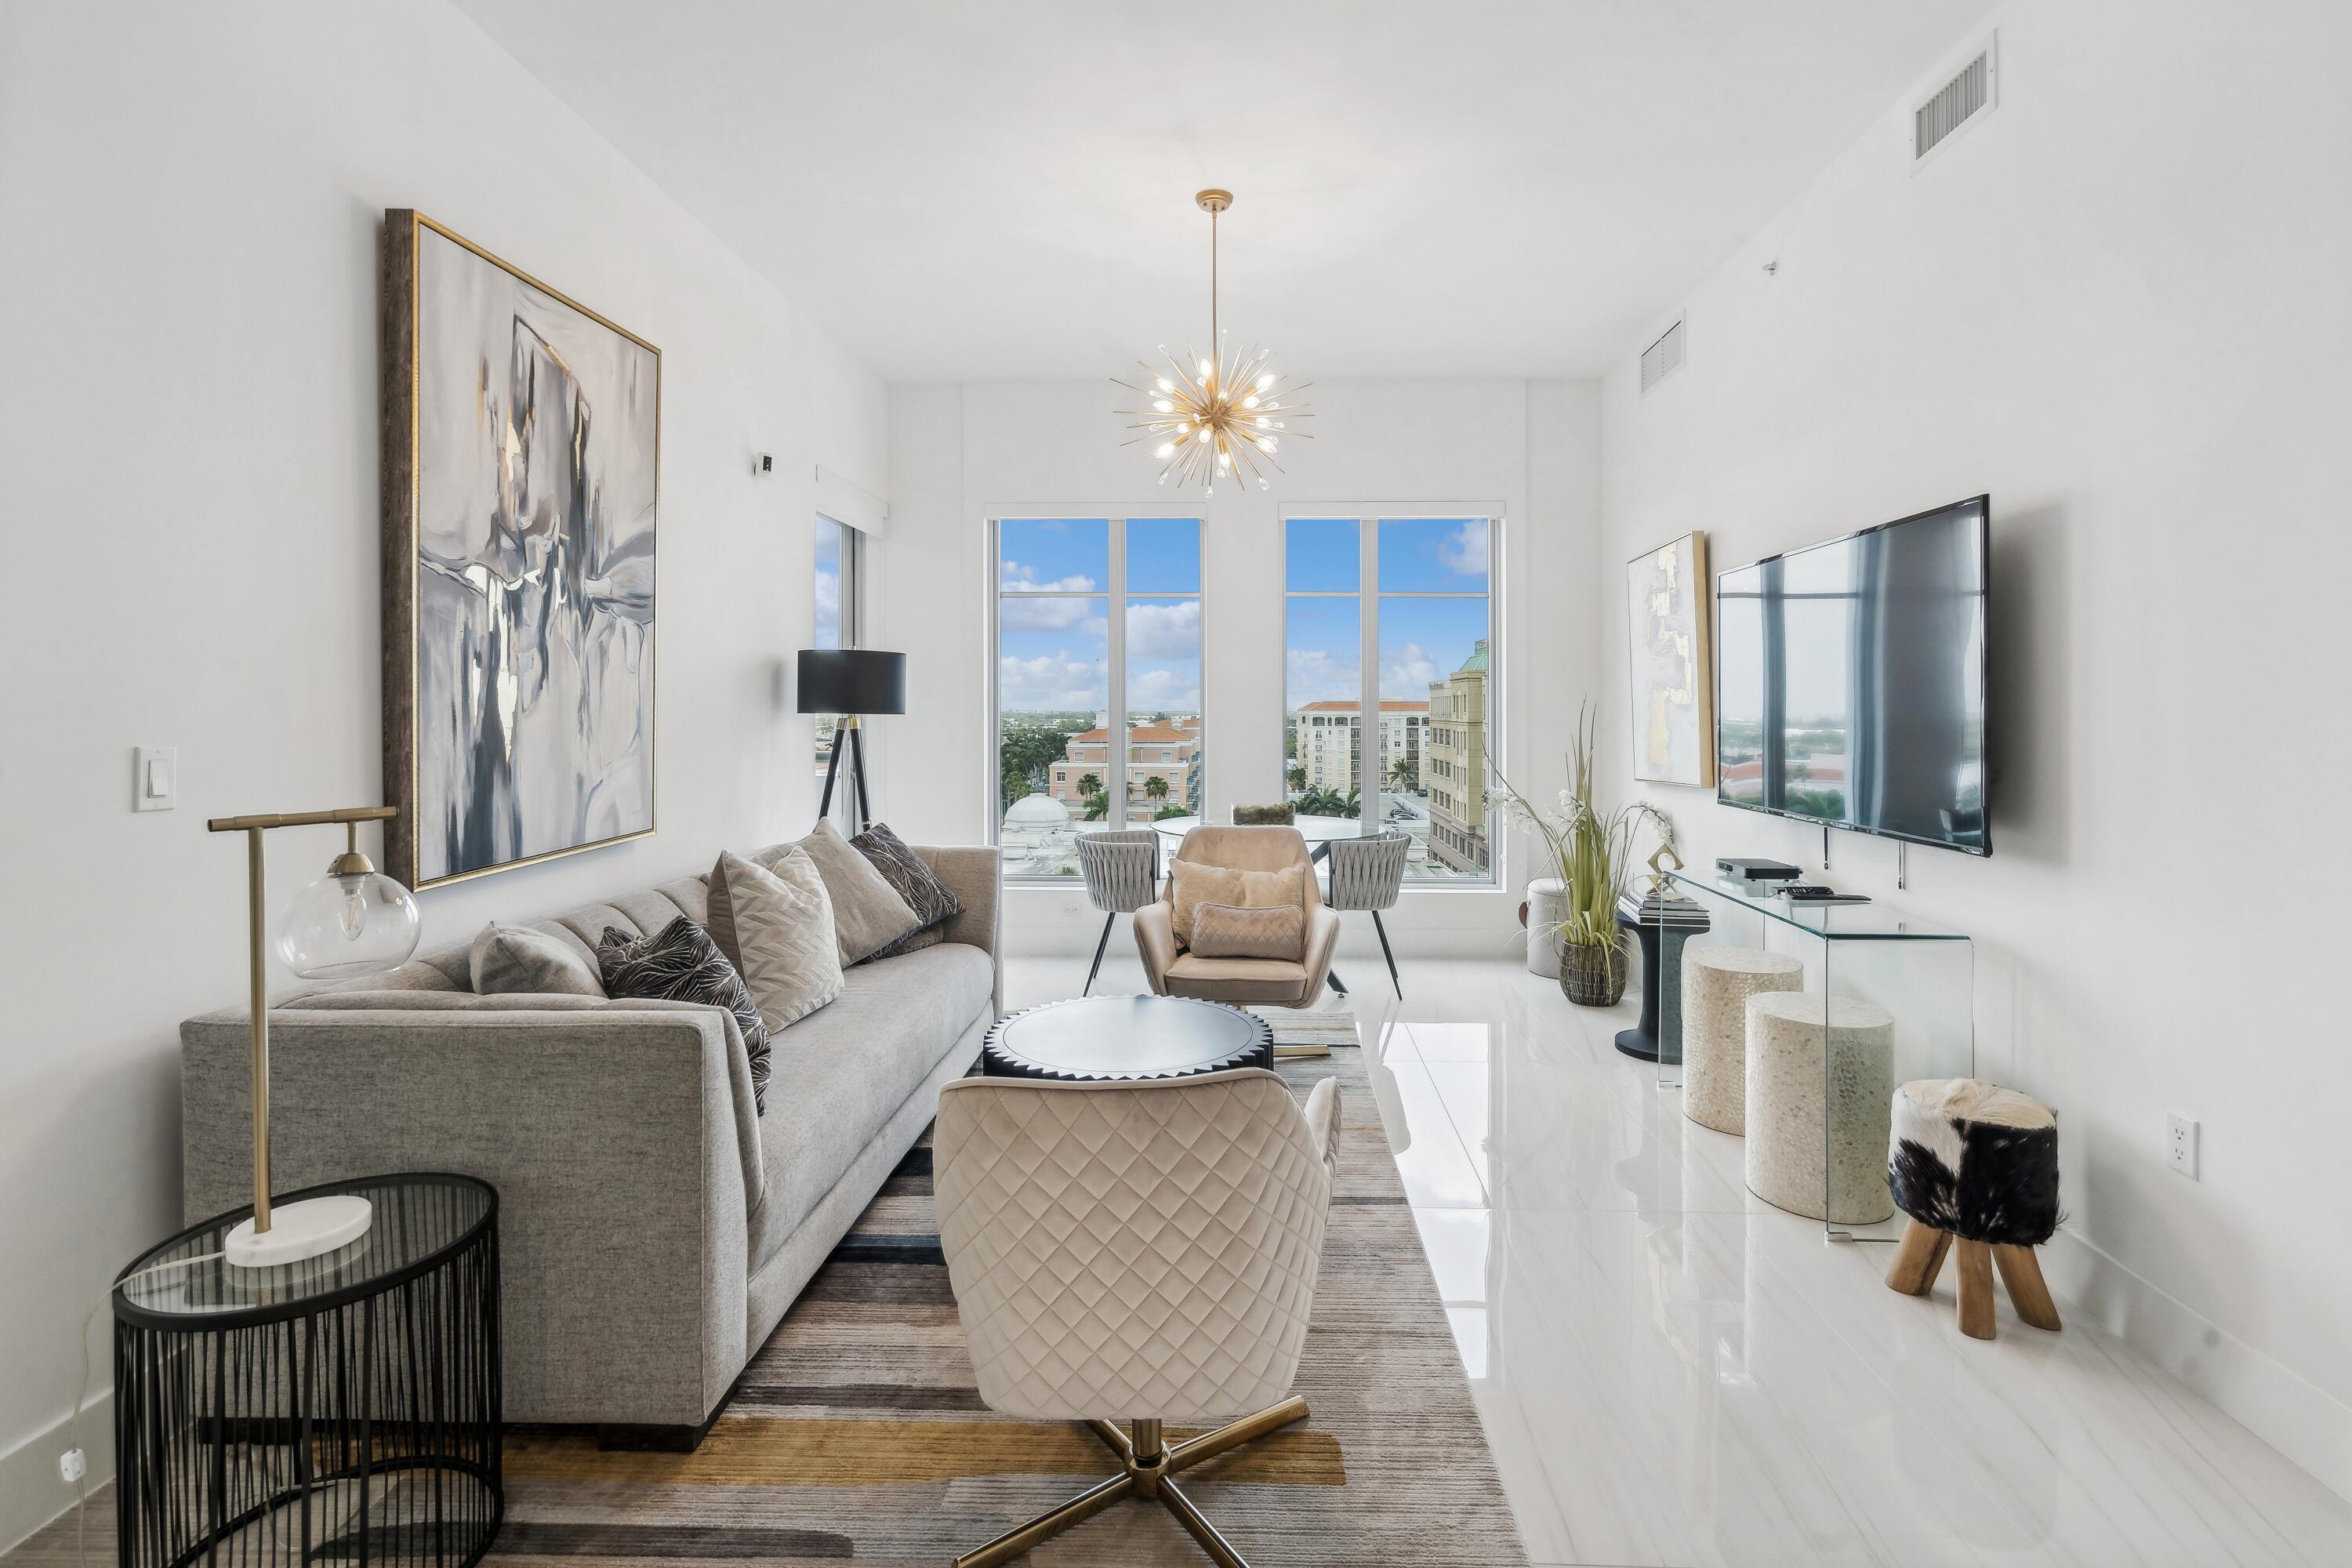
(1785, 1110)
(1717, 984)
(1547, 903)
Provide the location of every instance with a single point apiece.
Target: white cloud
(1406, 672)
(1050, 616)
(1318, 675)
(1466, 551)
(1052, 680)
(1164, 631)
(1162, 691)
(1024, 579)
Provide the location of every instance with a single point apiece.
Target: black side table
(346, 1407)
(1660, 925)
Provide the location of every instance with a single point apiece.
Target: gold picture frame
(520, 523)
(1670, 671)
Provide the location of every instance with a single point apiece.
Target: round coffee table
(1109, 1039)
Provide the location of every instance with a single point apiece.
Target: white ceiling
(1002, 188)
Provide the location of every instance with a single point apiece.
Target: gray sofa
(653, 1227)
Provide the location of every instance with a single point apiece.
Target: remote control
(1815, 893)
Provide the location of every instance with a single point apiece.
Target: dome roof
(1038, 811)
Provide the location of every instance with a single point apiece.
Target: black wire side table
(346, 1408)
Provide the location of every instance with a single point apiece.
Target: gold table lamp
(354, 920)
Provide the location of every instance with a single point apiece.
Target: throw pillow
(1220, 931)
(867, 914)
(679, 962)
(1196, 884)
(506, 958)
(912, 878)
(776, 928)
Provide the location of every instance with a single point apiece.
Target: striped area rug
(856, 1432)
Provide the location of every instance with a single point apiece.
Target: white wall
(961, 453)
(189, 205)
(2119, 304)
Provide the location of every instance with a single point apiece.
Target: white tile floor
(1673, 1371)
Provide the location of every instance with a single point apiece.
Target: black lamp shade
(851, 680)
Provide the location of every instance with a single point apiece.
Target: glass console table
(1884, 998)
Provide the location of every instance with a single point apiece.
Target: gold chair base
(1151, 1473)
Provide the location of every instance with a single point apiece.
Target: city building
(1167, 752)
(1325, 737)
(1455, 771)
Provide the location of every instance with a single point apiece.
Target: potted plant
(1595, 855)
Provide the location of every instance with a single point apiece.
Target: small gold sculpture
(1665, 851)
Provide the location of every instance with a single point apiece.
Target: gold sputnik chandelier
(1220, 418)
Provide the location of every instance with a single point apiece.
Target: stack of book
(1654, 910)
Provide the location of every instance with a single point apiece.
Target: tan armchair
(1175, 971)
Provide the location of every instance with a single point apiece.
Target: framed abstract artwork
(1668, 598)
(522, 469)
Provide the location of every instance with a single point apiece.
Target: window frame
(1116, 596)
(1369, 747)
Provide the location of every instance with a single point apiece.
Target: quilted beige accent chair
(1144, 1251)
(1175, 971)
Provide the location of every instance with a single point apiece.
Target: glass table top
(1831, 923)
(417, 1221)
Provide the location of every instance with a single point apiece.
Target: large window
(1097, 717)
(1390, 617)
(837, 598)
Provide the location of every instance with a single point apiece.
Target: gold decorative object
(1218, 417)
(354, 920)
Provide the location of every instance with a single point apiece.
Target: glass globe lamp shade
(352, 922)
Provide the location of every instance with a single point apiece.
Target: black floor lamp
(851, 682)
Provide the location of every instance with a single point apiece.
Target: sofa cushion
(1238, 979)
(867, 912)
(840, 1073)
(506, 958)
(911, 879)
(681, 964)
(1220, 931)
(776, 928)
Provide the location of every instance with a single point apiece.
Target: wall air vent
(1662, 358)
(1962, 99)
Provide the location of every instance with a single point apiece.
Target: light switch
(155, 778)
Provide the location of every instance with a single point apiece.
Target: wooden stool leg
(2021, 1270)
(1918, 1259)
(1975, 1290)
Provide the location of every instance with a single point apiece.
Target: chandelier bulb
(1249, 402)
(1165, 449)
(1265, 382)
(1164, 405)
(1204, 369)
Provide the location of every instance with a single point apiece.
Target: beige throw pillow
(776, 928)
(509, 960)
(869, 915)
(1197, 884)
(1220, 931)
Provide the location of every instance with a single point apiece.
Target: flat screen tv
(1850, 681)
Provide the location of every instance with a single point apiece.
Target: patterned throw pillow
(679, 962)
(776, 928)
(1220, 931)
(913, 879)
(1197, 883)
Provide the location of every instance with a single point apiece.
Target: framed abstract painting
(522, 475)
(1668, 604)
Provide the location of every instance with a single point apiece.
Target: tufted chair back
(1268, 848)
(1129, 1249)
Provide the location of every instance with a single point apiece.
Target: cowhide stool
(1978, 1164)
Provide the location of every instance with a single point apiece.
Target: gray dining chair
(1367, 874)
(1122, 873)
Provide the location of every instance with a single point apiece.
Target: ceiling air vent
(1663, 358)
(1959, 102)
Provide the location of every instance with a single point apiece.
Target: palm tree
(1156, 787)
(1404, 774)
(1297, 776)
(1090, 784)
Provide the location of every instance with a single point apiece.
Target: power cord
(81, 1390)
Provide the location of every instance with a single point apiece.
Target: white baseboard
(30, 1493)
(2282, 1408)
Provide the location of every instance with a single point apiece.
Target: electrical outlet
(72, 1465)
(2180, 1144)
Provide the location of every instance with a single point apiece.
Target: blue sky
(1422, 640)
(1052, 653)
